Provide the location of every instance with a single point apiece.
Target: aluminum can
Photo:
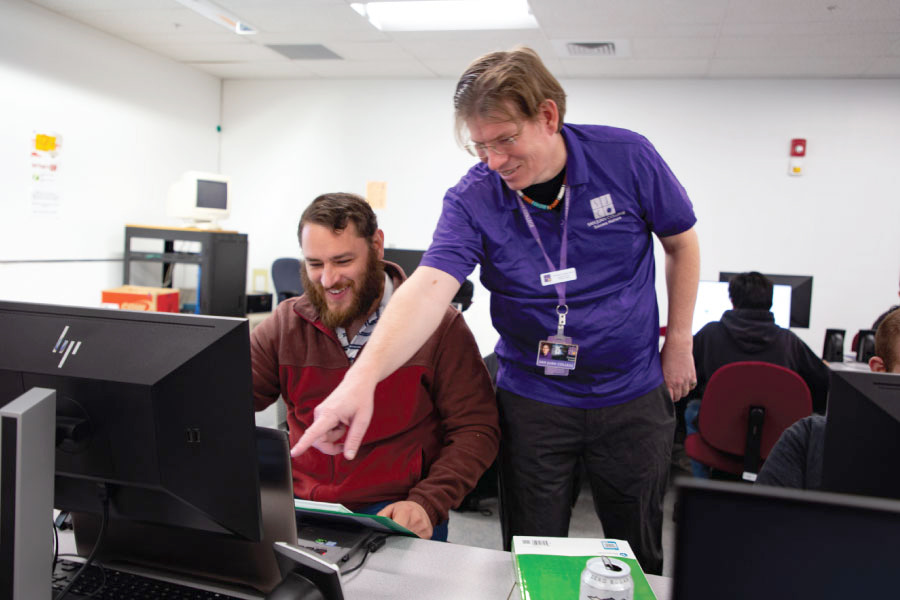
(606, 578)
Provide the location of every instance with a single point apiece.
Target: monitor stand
(27, 463)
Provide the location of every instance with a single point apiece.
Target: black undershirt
(546, 192)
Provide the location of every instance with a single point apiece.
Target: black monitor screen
(407, 259)
(801, 294)
(157, 405)
(862, 434)
(212, 194)
(746, 542)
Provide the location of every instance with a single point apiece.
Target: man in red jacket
(434, 430)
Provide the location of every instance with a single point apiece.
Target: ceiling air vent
(304, 51)
(591, 48)
(618, 48)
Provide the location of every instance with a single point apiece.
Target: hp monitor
(801, 294)
(157, 406)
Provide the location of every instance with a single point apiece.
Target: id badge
(557, 354)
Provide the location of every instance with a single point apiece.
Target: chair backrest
(736, 387)
(286, 278)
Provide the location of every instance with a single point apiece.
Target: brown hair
(497, 82)
(336, 210)
(887, 338)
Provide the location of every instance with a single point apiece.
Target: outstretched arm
(682, 276)
(414, 312)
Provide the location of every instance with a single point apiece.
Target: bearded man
(434, 429)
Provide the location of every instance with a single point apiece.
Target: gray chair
(286, 278)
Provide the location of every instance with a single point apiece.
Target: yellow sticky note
(376, 194)
(44, 143)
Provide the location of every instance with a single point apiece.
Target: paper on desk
(322, 506)
(340, 513)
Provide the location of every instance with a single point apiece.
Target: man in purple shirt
(560, 217)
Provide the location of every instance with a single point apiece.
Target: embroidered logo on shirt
(604, 212)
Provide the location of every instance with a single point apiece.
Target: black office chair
(286, 278)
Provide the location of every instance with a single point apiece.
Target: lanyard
(563, 249)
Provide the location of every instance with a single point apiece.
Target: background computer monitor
(744, 542)
(407, 259)
(801, 294)
(862, 434)
(713, 300)
(157, 405)
(199, 197)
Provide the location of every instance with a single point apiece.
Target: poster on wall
(45, 184)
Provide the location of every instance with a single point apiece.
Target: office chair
(286, 278)
(833, 350)
(745, 408)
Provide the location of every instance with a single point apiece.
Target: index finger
(314, 433)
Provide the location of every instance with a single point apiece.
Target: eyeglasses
(499, 147)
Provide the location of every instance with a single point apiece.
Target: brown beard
(363, 297)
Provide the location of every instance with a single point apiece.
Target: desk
(849, 364)
(415, 569)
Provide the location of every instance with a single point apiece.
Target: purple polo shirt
(621, 191)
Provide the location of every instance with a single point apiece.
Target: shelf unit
(222, 261)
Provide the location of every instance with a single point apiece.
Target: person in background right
(796, 459)
(748, 332)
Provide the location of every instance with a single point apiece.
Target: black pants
(626, 450)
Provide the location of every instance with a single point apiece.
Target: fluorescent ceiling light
(219, 15)
(448, 15)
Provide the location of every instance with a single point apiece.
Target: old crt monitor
(746, 542)
(200, 198)
(801, 294)
(156, 405)
(862, 434)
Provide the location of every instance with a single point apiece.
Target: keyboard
(122, 586)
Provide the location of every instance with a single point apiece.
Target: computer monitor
(407, 259)
(746, 542)
(713, 300)
(200, 198)
(156, 405)
(862, 434)
(801, 294)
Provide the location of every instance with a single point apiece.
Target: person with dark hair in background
(561, 218)
(796, 458)
(435, 431)
(749, 332)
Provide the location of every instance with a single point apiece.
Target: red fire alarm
(798, 147)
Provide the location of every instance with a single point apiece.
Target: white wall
(131, 122)
(285, 142)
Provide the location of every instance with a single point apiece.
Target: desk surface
(413, 568)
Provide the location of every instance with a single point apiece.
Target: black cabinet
(222, 260)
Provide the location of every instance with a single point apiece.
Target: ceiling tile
(789, 67)
(191, 53)
(255, 70)
(796, 46)
(334, 69)
(634, 68)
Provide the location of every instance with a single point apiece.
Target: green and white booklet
(338, 513)
(549, 568)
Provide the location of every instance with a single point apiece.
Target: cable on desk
(104, 493)
(373, 545)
